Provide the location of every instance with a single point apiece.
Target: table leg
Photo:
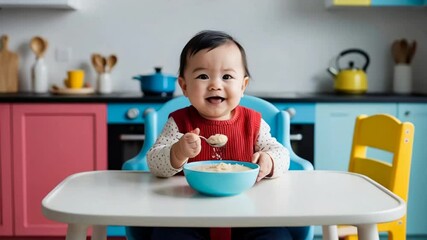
(367, 232)
(99, 232)
(76, 232)
(330, 232)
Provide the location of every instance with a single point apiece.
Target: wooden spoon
(403, 52)
(38, 45)
(111, 62)
(395, 51)
(411, 51)
(97, 63)
(104, 64)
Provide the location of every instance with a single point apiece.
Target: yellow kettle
(350, 80)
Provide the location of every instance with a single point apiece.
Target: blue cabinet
(374, 3)
(397, 3)
(334, 131)
(417, 199)
(333, 139)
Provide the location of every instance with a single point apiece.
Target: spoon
(395, 50)
(403, 51)
(104, 64)
(111, 61)
(97, 62)
(217, 140)
(411, 51)
(38, 45)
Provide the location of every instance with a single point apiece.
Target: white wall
(289, 43)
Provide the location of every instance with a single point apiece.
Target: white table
(299, 198)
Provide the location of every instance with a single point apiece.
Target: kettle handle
(354, 50)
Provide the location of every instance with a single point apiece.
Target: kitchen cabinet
(374, 3)
(417, 199)
(347, 3)
(334, 131)
(333, 139)
(5, 172)
(54, 4)
(48, 143)
(379, 3)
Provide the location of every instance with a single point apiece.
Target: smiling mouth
(215, 99)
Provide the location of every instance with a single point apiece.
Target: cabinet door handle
(132, 137)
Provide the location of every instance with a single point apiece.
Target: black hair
(209, 39)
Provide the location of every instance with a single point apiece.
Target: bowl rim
(188, 166)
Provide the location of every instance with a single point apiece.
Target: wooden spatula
(9, 63)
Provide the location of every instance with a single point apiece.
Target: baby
(214, 75)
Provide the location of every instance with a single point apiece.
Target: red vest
(242, 131)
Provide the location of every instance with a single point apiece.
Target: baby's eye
(202, 76)
(227, 77)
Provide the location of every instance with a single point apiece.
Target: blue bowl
(220, 183)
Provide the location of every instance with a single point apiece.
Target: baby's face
(214, 81)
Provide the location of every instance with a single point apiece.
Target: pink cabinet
(5, 172)
(50, 142)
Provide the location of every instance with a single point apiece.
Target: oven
(302, 128)
(126, 130)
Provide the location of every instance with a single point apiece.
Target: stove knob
(292, 112)
(132, 113)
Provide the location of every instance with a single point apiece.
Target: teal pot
(157, 84)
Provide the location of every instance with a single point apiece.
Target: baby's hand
(189, 144)
(265, 164)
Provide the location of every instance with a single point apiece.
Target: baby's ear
(183, 85)
(245, 84)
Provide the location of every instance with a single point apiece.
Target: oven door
(302, 141)
(124, 142)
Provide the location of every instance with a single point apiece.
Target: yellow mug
(75, 79)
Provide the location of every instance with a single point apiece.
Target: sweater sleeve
(268, 144)
(158, 157)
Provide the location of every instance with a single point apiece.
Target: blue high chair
(279, 122)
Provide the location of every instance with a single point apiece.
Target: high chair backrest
(387, 133)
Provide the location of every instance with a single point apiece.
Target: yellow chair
(387, 133)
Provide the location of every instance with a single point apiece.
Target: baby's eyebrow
(229, 70)
(198, 69)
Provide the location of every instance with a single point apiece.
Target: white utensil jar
(104, 83)
(39, 76)
(402, 79)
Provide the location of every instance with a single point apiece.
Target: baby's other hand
(189, 144)
(265, 164)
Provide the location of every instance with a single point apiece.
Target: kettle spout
(332, 71)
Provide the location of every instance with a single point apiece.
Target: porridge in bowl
(222, 167)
